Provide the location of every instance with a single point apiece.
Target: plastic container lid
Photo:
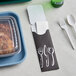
(9, 37)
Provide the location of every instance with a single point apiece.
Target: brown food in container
(6, 40)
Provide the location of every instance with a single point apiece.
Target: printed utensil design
(46, 55)
(51, 52)
(40, 52)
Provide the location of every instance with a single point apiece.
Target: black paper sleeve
(45, 51)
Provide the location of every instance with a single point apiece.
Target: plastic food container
(10, 43)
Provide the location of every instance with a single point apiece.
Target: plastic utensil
(71, 21)
(64, 27)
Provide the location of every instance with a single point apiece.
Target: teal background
(13, 1)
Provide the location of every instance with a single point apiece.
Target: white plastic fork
(64, 27)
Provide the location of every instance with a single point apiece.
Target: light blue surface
(18, 58)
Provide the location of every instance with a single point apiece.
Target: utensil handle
(40, 42)
(70, 39)
(74, 28)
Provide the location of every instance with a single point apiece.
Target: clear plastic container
(10, 43)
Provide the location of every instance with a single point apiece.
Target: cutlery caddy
(43, 42)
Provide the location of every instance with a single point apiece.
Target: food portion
(6, 39)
